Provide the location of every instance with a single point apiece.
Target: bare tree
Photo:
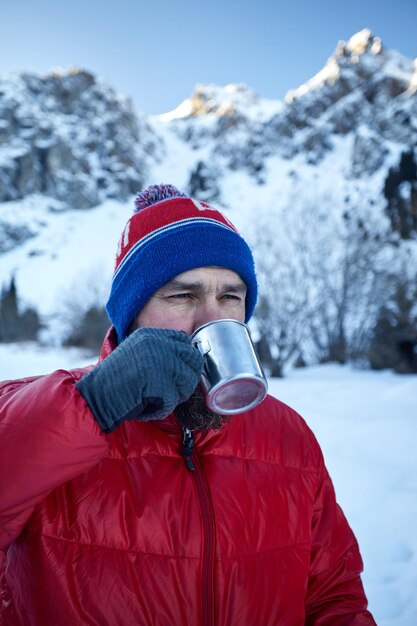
(324, 276)
(348, 271)
(280, 316)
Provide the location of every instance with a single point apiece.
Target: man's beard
(195, 414)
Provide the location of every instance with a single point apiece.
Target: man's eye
(232, 296)
(180, 296)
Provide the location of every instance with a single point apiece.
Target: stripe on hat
(164, 229)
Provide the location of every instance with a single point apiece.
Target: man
(102, 520)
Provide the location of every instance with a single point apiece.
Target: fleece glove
(145, 377)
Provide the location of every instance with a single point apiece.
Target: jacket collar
(109, 343)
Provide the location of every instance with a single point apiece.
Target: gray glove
(145, 377)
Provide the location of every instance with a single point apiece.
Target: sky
(156, 51)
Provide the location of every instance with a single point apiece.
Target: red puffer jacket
(115, 530)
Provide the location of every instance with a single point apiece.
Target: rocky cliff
(71, 138)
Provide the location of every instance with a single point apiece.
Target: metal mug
(233, 380)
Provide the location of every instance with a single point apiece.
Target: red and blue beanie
(168, 234)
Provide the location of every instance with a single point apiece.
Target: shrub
(16, 324)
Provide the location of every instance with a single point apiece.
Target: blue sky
(157, 50)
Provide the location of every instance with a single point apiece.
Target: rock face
(363, 91)
(71, 138)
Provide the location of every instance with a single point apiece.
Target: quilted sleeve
(47, 437)
(335, 595)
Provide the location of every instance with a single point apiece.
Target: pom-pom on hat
(168, 234)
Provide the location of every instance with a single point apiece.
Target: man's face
(190, 300)
(194, 298)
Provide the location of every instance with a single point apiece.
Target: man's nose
(207, 312)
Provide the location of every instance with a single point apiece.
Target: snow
(329, 74)
(31, 359)
(360, 41)
(179, 161)
(366, 423)
(70, 249)
(413, 80)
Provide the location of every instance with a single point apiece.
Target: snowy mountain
(364, 92)
(71, 138)
(324, 186)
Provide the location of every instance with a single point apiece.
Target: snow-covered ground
(366, 423)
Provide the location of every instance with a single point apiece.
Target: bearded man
(103, 522)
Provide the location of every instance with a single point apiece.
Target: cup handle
(203, 346)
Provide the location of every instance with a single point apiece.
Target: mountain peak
(229, 102)
(360, 43)
(354, 63)
(215, 99)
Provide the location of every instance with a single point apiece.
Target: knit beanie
(170, 233)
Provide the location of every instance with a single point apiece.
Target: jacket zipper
(207, 516)
(188, 448)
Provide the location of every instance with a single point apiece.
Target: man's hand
(145, 377)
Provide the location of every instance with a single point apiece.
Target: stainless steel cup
(232, 380)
